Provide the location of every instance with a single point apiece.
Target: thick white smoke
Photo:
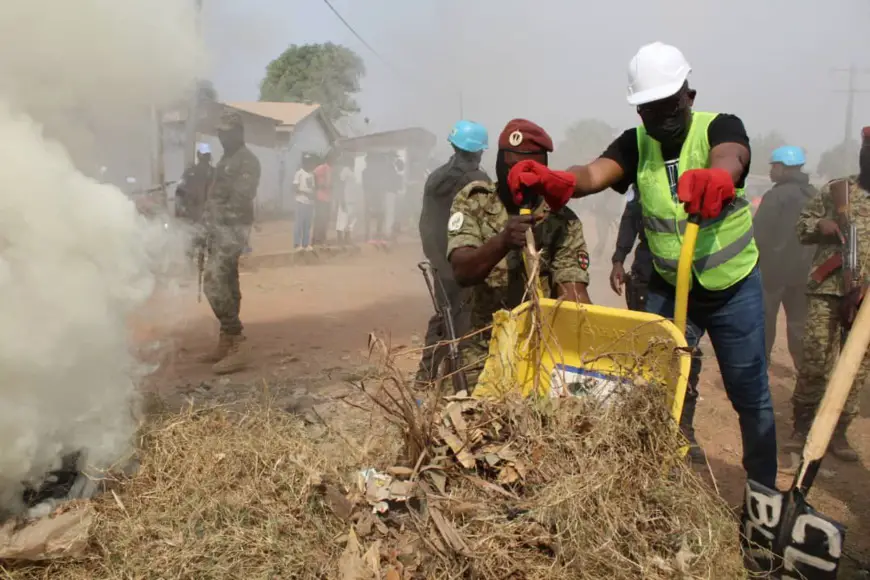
(76, 260)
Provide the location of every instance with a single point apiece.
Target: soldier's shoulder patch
(583, 259)
(455, 222)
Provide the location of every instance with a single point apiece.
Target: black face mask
(231, 139)
(502, 169)
(669, 131)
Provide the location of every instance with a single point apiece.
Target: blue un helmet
(469, 136)
(789, 155)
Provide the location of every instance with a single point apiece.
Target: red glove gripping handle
(705, 191)
(556, 187)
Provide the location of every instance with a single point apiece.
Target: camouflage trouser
(221, 278)
(821, 346)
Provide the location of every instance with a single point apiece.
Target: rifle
(444, 311)
(849, 251)
(200, 270)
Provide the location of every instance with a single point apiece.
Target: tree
(327, 74)
(839, 161)
(762, 148)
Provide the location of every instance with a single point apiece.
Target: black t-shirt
(723, 129)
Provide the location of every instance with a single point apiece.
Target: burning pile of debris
(559, 488)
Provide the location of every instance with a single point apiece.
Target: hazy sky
(557, 61)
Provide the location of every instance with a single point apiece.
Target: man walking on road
(469, 141)
(229, 217)
(831, 308)
(784, 262)
(683, 163)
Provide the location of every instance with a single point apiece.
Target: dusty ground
(308, 326)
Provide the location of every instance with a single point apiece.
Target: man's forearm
(575, 292)
(471, 266)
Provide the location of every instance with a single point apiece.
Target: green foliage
(327, 74)
(762, 148)
(839, 161)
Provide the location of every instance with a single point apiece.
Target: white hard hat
(203, 148)
(656, 72)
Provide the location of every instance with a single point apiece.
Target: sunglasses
(668, 107)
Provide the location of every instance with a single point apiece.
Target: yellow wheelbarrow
(582, 349)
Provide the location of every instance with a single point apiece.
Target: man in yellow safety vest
(683, 162)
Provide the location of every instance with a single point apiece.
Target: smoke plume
(76, 259)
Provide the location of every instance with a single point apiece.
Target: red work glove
(556, 187)
(705, 191)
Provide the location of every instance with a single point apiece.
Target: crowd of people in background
(327, 190)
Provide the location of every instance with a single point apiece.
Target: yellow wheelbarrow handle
(684, 273)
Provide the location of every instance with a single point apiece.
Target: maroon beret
(522, 136)
(865, 133)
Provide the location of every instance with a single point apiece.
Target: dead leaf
(401, 490)
(507, 453)
(365, 525)
(400, 471)
(492, 459)
(439, 480)
(521, 469)
(392, 574)
(508, 475)
(373, 559)
(62, 536)
(448, 532)
(489, 486)
(465, 458)
(351, 565)
(454, 413)
(337, 502)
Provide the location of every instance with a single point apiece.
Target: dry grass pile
(564, 488)
(220, 494)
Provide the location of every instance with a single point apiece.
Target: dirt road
(308, 327)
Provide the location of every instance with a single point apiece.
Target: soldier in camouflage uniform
(827, 308)
(486, 234)
(229, 216)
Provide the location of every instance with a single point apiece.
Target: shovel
(782, 532)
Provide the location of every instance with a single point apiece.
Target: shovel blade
(784, 536)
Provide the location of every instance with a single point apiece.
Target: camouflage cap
(229, 120)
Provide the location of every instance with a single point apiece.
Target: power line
(347, 25)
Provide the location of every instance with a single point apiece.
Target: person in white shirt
(303, 186)
(349, 199)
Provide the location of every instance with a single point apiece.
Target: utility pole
(848, 133)
(193, 106)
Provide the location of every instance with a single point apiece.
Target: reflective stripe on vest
(725, 252)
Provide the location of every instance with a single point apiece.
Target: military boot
(236, 359)
(840, 446)
(221, 351)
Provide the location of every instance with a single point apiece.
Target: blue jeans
(302, 225)
(736, 326)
